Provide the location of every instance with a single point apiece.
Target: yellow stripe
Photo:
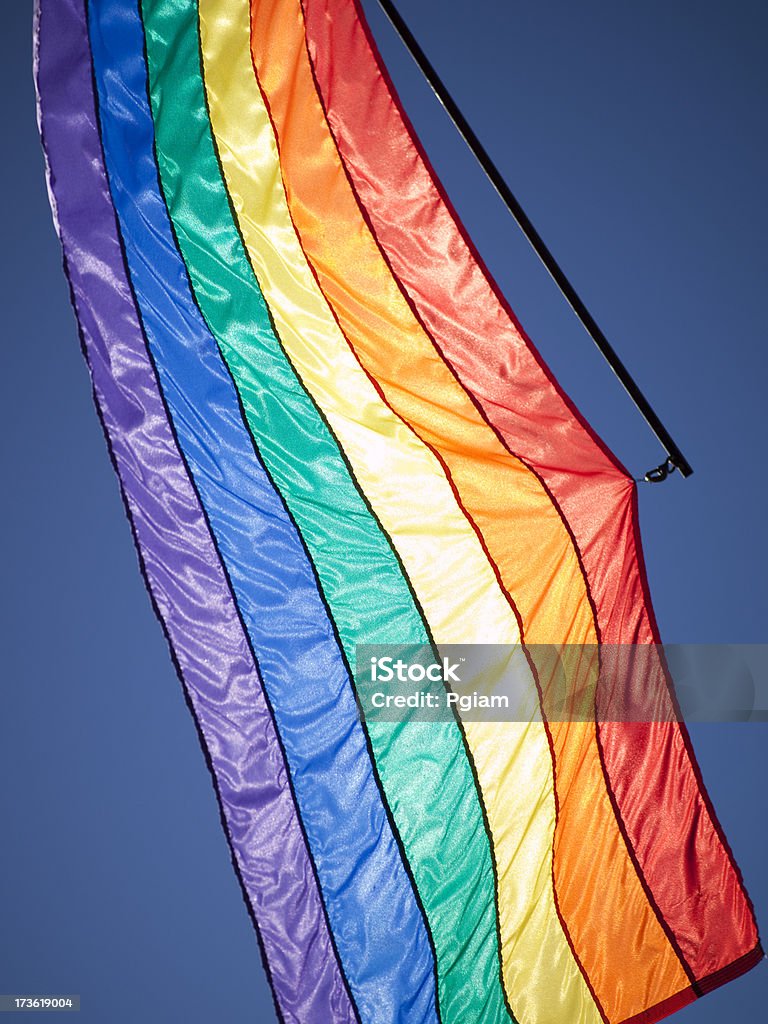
(413, 500)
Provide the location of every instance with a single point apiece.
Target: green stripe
(424, 768)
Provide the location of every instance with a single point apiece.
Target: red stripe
(679, 848)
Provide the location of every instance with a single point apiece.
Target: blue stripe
(379, 930)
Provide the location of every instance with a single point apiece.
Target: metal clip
(660, 473)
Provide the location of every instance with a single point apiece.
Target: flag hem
(688, 995)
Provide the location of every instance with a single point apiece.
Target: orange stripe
(615, 932)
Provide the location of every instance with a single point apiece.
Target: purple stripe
(182, 568)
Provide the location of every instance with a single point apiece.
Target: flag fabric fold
(330, 430)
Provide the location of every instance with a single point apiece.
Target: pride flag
(330, 430)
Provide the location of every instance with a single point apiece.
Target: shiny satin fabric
(426, 774)
(359, 866)
(425, 771)
(407, 488)
(651, 769)
(622, 947)
(179, 560)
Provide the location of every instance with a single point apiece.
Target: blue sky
(634, 137)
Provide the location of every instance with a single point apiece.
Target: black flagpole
(675, 458)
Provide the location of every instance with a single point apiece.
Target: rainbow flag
(330, 430)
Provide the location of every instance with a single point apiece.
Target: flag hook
(660, 473)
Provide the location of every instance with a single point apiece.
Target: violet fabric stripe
(181, 565)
